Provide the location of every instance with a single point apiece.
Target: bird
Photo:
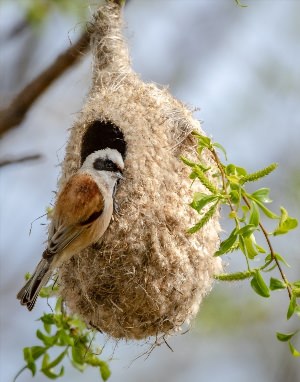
(81, 215)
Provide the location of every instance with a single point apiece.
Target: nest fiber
(148, 276)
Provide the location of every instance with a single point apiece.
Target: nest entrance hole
(101, 135)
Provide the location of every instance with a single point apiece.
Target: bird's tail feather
(30, 291)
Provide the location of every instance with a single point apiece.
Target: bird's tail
(30, 291)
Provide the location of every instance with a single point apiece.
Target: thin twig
(20, 372)
(273, 256)
(14, 114)
(6, 162)
(219, 164)
(223, 175)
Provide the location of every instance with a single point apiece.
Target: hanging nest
(148, 276)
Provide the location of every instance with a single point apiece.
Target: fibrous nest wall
(148, 276)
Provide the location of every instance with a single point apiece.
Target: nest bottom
(141, 293)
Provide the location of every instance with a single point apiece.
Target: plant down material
(149, 275)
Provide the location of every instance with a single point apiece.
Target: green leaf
(92, 360)
(232, 169)
(278, 257)
(276, 284)
(259, 286)
(227, 244)
(47, 328)
(204, 220)
(254, 214)
(28, 357)
(56, 361)
(48, 319)
(285, 224)
(76, 322)
(219, 146)
(292, 307)
(45, 361)
(200, 150)
(293, 350)
(104, 371)
(262, 195)
(296, 292)
(249, 242)
(259, 248)
(58, 305)
(284, 337)
(269, 269)
(266, 210)
(247, 230)
(47, 340)
(27, 354)
(65, 338)
(235, 196)
(51, 375)
(80, 367)
(37, 351)
(245, 211)
(203, 140)
(200, 200)
(242, 245)
(32, 367)
(48, 291)
(240, 4)
(77, 355)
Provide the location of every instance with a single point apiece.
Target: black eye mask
(101, 164)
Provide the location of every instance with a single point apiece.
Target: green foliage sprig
(70, 335)
(238, 2)
(246, 212)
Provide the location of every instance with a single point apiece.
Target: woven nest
(149, 276)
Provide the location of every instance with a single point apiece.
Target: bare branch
(18, 29)
(14, 114)
(6, 162)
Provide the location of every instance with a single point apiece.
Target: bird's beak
(119, 175)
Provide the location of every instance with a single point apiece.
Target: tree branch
(6, 162)
(14, 114)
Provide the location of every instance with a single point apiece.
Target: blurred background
(240, 67)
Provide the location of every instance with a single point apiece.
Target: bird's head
(108, 164)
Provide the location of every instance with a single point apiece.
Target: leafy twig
(65, 331)
(266, 235)
(245, 211)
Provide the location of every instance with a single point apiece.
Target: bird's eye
(105, 165)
